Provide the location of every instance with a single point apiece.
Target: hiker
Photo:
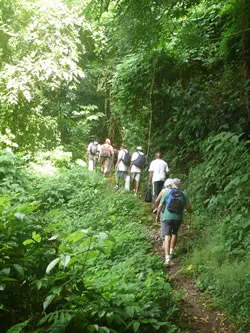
(93, 151)
(167, 185)
(176, 201)
(122, 164)
(137, 163)
(106, 153)
(157, 175)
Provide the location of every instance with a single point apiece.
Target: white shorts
(136, 176)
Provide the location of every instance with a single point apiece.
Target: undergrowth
(220, 192)
(75, 258)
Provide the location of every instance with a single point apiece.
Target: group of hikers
(108, 157)
(169, 201)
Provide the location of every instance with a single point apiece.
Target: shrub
(79, 260)
(220, 188)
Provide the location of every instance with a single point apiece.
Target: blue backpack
(176, 201)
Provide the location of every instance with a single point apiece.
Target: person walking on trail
(137, 163)
(175, 201)
(93, 151)
(122, 164)
(167, 185)
(106, 153)
(157, 175)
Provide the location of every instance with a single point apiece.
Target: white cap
(139, 148)
(177, 181)
(168, 182)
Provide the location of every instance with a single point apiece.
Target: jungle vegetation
(169, 75)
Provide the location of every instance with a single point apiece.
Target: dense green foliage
(222, 224)
(168, 75)
(44, 54)
(74, 259)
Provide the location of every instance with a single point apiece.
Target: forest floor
(196, 311)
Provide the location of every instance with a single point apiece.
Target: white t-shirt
(159, 169)
(89, 149)
(133, 158)
(121, 165)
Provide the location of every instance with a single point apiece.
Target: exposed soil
(195, 315)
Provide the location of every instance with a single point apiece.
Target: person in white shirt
(137, 162)
(93, 151)
(122, 168)
(157, 174)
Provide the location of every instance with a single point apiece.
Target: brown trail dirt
(195, 313)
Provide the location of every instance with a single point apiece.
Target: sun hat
(177, 181)
(168, 182)
(139, 148)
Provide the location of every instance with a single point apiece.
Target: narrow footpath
(196, 314)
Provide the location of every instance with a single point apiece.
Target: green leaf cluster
(221, 192)
(76, 259)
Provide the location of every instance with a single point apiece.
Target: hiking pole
(189, 230)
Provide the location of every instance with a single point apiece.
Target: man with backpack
(93, 150)
(157, 175)
(137, 163)
(122, 164)
(106, 153)
(175, 201)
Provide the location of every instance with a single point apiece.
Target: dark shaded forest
(169, 75)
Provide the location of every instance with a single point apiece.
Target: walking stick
(189, 230)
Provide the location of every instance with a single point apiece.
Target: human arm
(164, 195)
(133, 158)
(158, 199)
(120, 157)
(117, 163)
(111, 150)
(151, 171)
(167, 168)
(159, 209)
(129, 169)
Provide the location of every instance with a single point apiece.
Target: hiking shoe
(154, 210)
(171, 255)
(167, 262)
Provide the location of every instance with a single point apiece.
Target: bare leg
(167, 245)
(106, 167)
(173, 241)
(137, 185)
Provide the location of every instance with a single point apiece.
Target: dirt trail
(195, 315)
